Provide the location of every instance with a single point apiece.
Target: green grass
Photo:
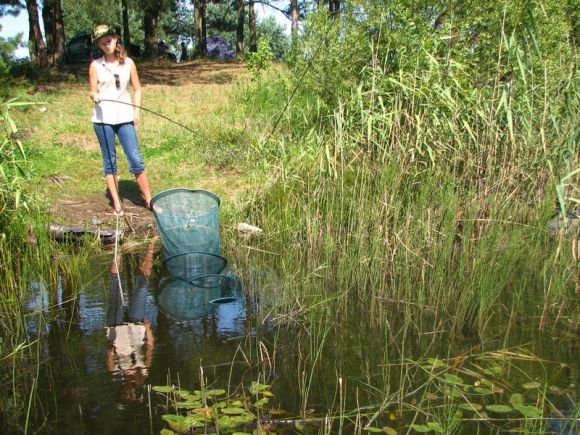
(61, 140)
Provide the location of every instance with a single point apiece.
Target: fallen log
(75, 232)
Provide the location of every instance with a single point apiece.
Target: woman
(114, 114)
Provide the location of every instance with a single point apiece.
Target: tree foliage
(10, 7)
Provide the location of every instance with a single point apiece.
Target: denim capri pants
(128, 138)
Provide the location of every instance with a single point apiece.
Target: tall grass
(414, 204)
(30, 264)
(424, 184)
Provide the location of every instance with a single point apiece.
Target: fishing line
(161, 115)
(167, 118)
(302, 75)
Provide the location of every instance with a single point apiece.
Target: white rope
(115, 259)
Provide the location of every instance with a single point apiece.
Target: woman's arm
(93, 83)
(137, 93)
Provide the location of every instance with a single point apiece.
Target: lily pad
(180, 423)
(517, 399)
(435, 426)
(213, 393)
(453, 392)
(421, 428)
(188, 405)
(499, 409)
(256, 387)
(528, 411)
(162, 389)
(225, 422)
(204, 411)
(246, 417)
(193, 421)
(531, 385)
(470, 406)
(453, 379)
(233, 410)
(173, 418)
(493, 371)
(277, 411)
(263, 401)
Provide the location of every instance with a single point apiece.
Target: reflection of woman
(131, 340)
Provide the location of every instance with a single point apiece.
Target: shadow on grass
(151, 73)
(128, 191)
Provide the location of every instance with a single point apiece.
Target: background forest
(143, 24)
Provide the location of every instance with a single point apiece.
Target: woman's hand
(93, 83)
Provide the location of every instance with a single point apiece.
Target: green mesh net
(188, 225)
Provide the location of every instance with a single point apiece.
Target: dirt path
(94, 209)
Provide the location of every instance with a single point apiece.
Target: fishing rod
(161, 115)
(302, 75)
(167, 118)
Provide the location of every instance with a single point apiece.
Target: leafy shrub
(261, 60)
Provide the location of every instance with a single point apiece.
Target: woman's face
(107, 44)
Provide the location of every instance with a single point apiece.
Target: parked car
(165, 52)
(80, 48)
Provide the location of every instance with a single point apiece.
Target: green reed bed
(33, 272)
(32, 266)
(417, 238)
(414, 210)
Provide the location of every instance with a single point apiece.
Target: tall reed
(414, 204)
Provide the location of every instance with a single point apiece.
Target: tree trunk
(126, 31)
(204, 26)
(53, 31)
(59, 39)
(240, 29)
(37, 48)
(294, 14)
(253, 33)
(200, 28)
(334, 7)
(150, 24)
(47, 21)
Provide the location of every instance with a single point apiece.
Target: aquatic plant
(209, 410)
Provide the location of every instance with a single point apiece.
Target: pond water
(126, 329)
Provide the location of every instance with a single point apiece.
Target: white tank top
(111, 112)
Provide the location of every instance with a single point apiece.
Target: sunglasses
(117, 81)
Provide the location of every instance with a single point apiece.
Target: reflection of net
(194, 265)
(181, 300)
(211, 281)
(188, 225)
